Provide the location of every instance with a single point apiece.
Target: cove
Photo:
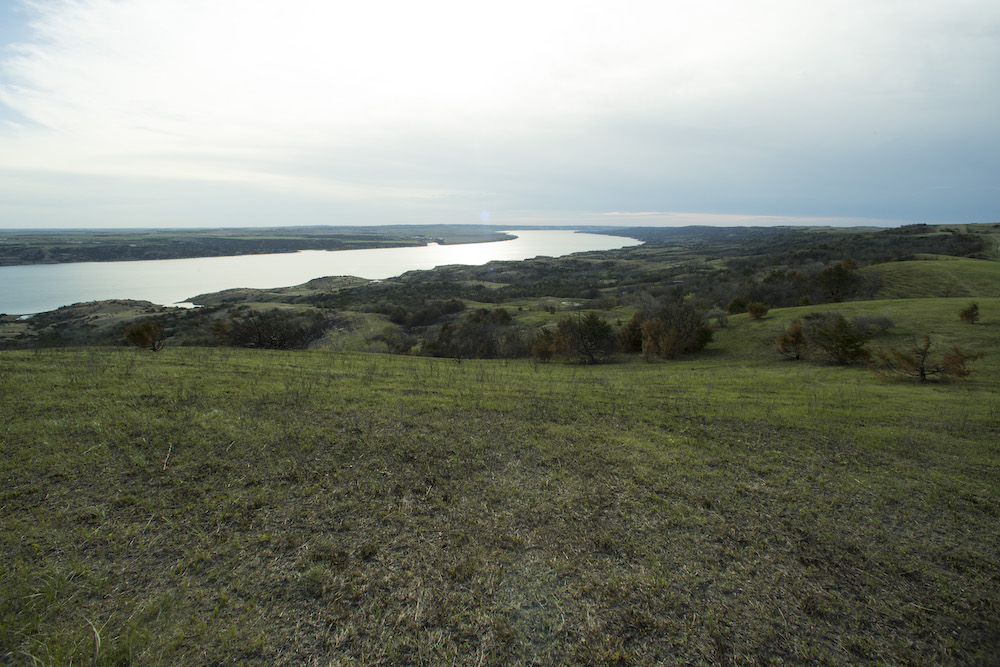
(41, 287)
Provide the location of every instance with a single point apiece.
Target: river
(41, 287)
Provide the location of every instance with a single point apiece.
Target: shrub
(514, 346)
(872, 325)
(757, 310)
(792, 342)
(543, 348)
(630, 334)
(272, 330)
(737, 304)
(970, 313)
(482, 334)
(147, 334)
(422, 314)
(720, 316)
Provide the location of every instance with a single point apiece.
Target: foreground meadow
(218, 506)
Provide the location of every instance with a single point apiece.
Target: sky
(220, 113)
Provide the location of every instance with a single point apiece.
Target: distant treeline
(103, 251)
(82, 245)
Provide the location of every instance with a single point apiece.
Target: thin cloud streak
(394, 112)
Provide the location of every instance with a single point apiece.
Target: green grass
(940, 277)
(913, 318)
(215, 506)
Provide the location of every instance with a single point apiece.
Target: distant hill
(938, 276)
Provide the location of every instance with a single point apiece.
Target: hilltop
(227, 505)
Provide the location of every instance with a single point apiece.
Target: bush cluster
(670, 330)
(587, 339)
(272, 329)
(831, 336)
(481, 334)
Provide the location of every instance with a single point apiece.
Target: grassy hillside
(939, 276)
(221, 506)
(912, 318)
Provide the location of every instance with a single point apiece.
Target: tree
(836, 338)
(970, 313)
(668, 330)
(586, 338)
(146, 334)
(916, 362)
(840, 281)
(658, 338)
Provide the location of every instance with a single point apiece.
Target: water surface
(41, 287)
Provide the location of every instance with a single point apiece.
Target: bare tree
(916, 362)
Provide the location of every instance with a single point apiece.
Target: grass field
(939, 277)
(219, 506)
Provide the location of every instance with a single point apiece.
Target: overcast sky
(146, 113)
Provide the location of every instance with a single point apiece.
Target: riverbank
(26, 247)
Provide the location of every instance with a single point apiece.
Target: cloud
(842, 109)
